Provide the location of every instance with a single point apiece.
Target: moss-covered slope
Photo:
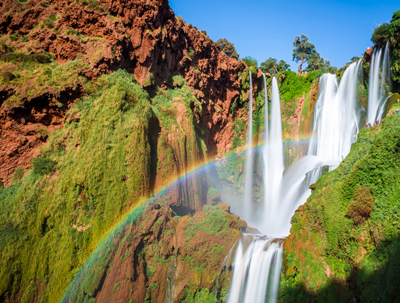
(344, 244)
(116, 146)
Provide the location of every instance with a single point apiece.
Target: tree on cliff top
(272, 66)
(317, 62)
(304, 51)
(227, 47)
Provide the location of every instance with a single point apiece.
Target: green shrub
(92, 4)
(21, 57)
(18, 175)
(178, 81)
(190, 52)
(8, 76)
(213, 192)
(250, 61)
(361, 207)
(42, 166)
(5, 48)
(49, 22)
(15, 37)
(381, 34)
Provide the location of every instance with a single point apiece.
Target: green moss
(349, 226)
(97, 182)
(34, 75)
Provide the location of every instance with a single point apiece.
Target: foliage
(317, 62)
(390, 32)
(23, 58)
(303, 51)
(5, 48)
(34, 74)
(92, 4)
(381, 34)
(42, 166)
(97, 182)
(190, 52)
(49, 22)
(360, 208)
(337, 254)
(250, 61)
(293, 87)
(354, 59)
(202, 296)
(227, 47)
(272, 66)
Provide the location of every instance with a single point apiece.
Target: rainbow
(131, 216)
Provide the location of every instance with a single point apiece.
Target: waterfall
(266, 139)
(257, 266)
(273, 163)
(248, 185)
(336, 117)
(257, 258)
(379, 83)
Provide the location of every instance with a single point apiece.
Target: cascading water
(379, 83)
(336, 116)
(258, 259)
(257, 266)
(273, 163)
(248, 185)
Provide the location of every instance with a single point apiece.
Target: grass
(36, 74)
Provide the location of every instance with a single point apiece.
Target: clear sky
(262, 28)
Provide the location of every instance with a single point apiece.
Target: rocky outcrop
(142, 37)
(24, 128)
(160, 257)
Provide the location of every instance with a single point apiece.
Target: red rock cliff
(143, 37)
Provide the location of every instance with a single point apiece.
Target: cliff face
(158, 257)
(102, 103)
(142, 37)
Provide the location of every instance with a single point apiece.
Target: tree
(304, 51)
(317, 62)
(250, 61)
(272, 66)
(227, 47)
(355, 59)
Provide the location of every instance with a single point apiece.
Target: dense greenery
(250, 61)
(272, 66)
(89, 174)
(345, 240)
(390, 32)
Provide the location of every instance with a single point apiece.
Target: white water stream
(379, 83)
(248, 185)
(258, 258)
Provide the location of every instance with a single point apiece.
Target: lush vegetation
(272, 66)
(345, 241)
(89, 174)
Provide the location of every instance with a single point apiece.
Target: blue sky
(263, 29)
